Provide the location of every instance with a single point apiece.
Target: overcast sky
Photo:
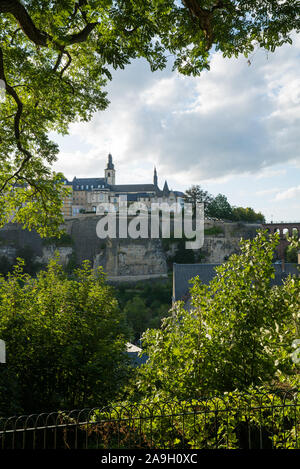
(235, 130)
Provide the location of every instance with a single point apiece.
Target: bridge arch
(284, 230)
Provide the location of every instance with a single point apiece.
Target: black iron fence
(233, 421)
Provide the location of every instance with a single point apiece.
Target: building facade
(87, 194)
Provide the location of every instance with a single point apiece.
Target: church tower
(110, 173)
(155, 177)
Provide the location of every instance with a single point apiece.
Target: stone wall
(121, 258)
(126, 258)
(218, 247)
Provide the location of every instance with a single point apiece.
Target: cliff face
(219, 246)
(122, 259)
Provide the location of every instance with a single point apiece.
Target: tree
(292, 254)
(197, 195)
(220, 208)
(137, 315)
(55, 59)
(65, 339)
(247, 214)
(238, 332)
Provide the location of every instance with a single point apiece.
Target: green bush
(214, 230)
(65, 339)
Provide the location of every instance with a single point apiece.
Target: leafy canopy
(65, 339)
(237, 333)
(56, 57)
(219, 207)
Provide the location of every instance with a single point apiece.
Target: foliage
(137, 315)
(144, 305)
(65, 338)
(237, 333)
(256, 419)
(214, 230)
(292, 254)
(247, 214)
(197, 195)
(72, 263)
(56, 57)
(219, 207)
(26, 253)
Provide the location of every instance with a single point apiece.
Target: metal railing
(233, 421)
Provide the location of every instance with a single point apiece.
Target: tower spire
(110, 173)
(110, 164)
(166, 189)
(155, 177)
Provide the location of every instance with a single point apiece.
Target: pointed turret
(110, 164)
(155, 177)
(166, 189)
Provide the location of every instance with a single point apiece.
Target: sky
(234, 130)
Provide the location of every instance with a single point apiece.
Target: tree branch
(11, 91)
(204, 16)
(41, 38)
(14, 7)
(67, 64)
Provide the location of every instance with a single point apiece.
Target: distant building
(88, 193)
(134, 353)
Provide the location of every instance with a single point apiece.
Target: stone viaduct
(283, 229)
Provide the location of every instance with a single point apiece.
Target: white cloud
(267, 191)
(290, 193)
(234, 123)
(270, 173)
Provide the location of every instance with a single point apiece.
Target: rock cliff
(122, 259)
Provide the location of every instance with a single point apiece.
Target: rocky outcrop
(49, 252)
(121, 258)
(218, 247)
